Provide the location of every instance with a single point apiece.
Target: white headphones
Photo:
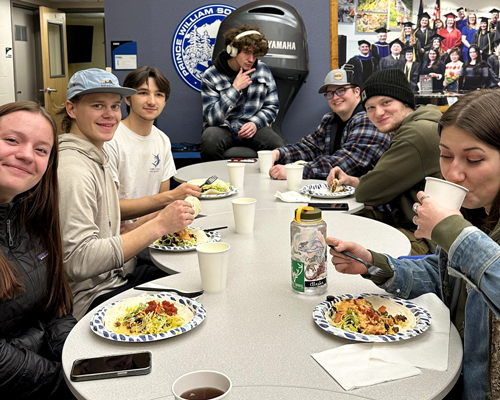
(233, 51)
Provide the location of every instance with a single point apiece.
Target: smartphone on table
(330, 206)
(87, 369)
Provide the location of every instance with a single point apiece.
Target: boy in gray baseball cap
(344, 138)
(99, 261)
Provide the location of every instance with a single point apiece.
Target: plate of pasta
(185, 240)
(371, 318)
(147, 318)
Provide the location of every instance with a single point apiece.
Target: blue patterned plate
(422, 318)
(213, 236)
(98, 320)
(323, 191)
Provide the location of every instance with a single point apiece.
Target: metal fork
(372, 269)
(209, 181)
(167, 289)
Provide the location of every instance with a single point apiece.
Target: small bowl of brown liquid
(202, 385)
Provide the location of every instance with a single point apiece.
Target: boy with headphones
(240, 97)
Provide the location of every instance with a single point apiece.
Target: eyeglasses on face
(339, 92)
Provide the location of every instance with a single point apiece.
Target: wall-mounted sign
(194, 39)
(124, 54)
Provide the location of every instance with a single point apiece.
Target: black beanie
(391, 83)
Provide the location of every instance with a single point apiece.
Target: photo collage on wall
(369, 15)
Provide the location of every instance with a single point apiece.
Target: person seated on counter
(435, 68)
(381, 43)
(140, 155)
(475, 73)
(411, 69)
(100, 262)
(452, 71)
(240, 96)
(394, 60)
(345, 136)
(413, 154)
(35, 298)
(465, 271)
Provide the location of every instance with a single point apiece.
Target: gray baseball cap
(95, 80)
(338, 77)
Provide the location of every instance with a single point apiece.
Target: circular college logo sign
(194, 41)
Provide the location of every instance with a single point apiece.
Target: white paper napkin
(293, 197)
(352, 367)
(365, 364)
(428, 350)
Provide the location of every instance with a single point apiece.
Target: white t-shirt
(139, 164)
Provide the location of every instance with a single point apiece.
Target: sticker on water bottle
(298, 276)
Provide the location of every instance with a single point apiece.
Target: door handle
(47, 90)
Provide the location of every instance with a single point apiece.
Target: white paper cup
(236, 174)
(294, 176)
(213, 259)
(202, 379)
(447, 194)
(265, 161)
(244, 214)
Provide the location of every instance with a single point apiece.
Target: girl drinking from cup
(465, 271)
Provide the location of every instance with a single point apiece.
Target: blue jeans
(215, 140)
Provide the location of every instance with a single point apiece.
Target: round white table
(258, 331)
(258, 186)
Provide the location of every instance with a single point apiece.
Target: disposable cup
(448, 194)
(213, 259)
(265, 161)
(202, 379)
(244, 214)
(236, 174)
(294, 176)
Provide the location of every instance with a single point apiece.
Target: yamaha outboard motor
(288, 56)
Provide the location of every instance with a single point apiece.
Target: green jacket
(400, 173)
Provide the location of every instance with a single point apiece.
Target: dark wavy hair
(478, 113)
(39, 215)
(140, 75)
(258, 43)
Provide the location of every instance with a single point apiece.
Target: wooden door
(54, 58)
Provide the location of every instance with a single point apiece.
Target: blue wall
(152, 23)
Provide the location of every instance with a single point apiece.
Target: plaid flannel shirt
(223, 105)
(360, 148)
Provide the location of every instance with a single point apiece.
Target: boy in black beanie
(391, 187)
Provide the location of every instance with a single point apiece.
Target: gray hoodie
(90, 215)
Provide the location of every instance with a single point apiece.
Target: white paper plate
(323, 191)
(213, 236)
(198, 182)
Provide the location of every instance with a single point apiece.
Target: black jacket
(30, 342)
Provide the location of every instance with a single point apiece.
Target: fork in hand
(372, 270)
(209, 181)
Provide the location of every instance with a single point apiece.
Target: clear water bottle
(308, 243)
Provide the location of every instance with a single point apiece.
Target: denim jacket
(474, 257)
